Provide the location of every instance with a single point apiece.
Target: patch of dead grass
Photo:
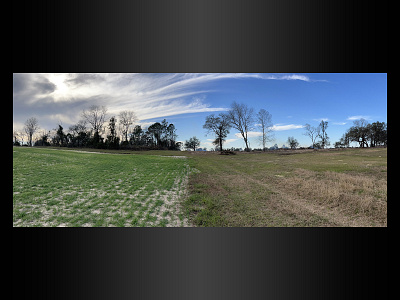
(309, 189)
(359, 196)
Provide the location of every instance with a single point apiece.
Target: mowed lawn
(346, 187)
(70, 188)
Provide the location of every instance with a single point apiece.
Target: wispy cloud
(149, 95)
(228, 141)
(277, 127)
(352, 118)
(280, 127)
(250, 134)
(291, 77)
(48, 96)
(294, 77)
(339, 123)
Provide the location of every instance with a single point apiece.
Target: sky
(186, 99)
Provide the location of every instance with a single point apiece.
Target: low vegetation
(345, 187)
(78, 188)
(332, 187)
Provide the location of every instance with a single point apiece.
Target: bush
(227, 152)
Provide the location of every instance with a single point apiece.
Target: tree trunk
(263, 139)
(245, 140)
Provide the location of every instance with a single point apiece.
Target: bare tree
(78, 132)
(16, 135)
(95, 116)
(324, 137)
(31, 126)
(220, 126)
(312, 132)
(241, 118)
(75, 129)
(265, 123)
(22, 136)
(126, 119)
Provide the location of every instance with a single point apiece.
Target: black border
(199, 36)
(200, 263)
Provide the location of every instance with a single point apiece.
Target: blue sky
(186, 99)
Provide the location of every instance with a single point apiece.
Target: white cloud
(144, 125)
(339, 123)
(61, 119)
(290, 77)
(250, 134)
(352, 118)
(321, 119)
(229, 141)
(149, 95)
(206, 144)
(279, 127)
(296, 77)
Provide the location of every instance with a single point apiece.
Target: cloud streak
(277, 127)
(50, 96)
(352, 118)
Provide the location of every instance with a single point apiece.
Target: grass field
(289, 188)
(69, 188)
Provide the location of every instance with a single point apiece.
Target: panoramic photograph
(200, 150)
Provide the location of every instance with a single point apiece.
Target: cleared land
(170, 188)
(290, 188)
(71, 188)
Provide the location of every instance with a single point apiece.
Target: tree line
(92, 131)
(119, 133)
(364, 133)
(242, 118)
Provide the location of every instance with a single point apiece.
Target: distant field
(290, 188)
(122, 188)
(69, 188)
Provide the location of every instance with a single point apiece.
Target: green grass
(68, 188)
(53, 187)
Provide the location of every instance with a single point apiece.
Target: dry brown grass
(308, 188)
(352, 199)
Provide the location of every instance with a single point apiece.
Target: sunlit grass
(290, 188)
(68, 188)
